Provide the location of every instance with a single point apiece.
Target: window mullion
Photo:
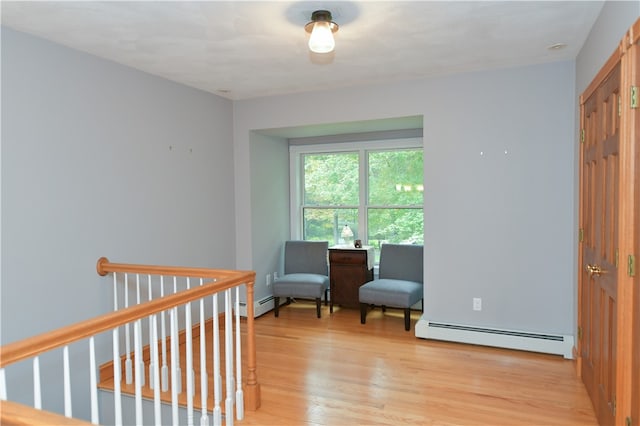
(296, 195)
(364, 195)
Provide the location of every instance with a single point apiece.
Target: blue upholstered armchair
(306, 273)
(400, 281)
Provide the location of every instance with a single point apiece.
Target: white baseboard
(501, 338)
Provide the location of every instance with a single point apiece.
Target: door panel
(589, 294)
(600, 169)
(608, 290)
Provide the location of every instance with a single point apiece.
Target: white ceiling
(247, 49)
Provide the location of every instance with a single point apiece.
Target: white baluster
(165, 369)
(117, 378)
(153, 346)
(174, 363)
(95, 416)
(204, 378)
(67, 383)
(139, 360)
(156, 374)
(228, 347)
(37, 390)
(189, 359)
(178, 367)
(239, 394)
(115, 292)
(3, 385)
(128, 366)
(217, 380)
(137, 330)
(117, 372)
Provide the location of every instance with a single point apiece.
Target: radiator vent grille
(260, 302)
(265, 300)
(260, 307)
(496, 331)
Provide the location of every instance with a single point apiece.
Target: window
(374, 188)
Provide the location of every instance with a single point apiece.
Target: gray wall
(497, 226)
(498, 212)
(101, 160)
(270, 205)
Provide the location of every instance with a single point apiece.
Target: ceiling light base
(321, 16)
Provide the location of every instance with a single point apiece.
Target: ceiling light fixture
(321, 29)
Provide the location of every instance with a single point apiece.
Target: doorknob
(594, 269)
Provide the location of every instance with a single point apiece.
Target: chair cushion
(401, 262)
(306, 257)
(301, 285)
(392, 293)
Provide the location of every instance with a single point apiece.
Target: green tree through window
(382, 204)
(395, 197)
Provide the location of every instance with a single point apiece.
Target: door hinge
(627, 421)
(581, 135)
(634, 96)
(581, 235)
(579, 333)
(631, 265)
(617, 258)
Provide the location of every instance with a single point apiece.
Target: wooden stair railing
(15, 414)
(31, 348)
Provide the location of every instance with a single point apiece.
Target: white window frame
(296, 172)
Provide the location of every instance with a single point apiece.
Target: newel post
(252, 387)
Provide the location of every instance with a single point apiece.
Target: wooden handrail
(32, 346)
(104, 267)
(12, 413)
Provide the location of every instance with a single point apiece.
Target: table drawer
(349, 257)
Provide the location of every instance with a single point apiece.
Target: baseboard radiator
(260, 307)
(502, 338)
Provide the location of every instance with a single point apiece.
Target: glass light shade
(321, 40)
(346, 232)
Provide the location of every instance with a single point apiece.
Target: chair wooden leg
(276, 301)
(318, 306)
(407, 319)
(363, 313)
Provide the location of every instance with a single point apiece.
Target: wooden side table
(349, 268)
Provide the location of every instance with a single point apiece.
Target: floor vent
(503, 338)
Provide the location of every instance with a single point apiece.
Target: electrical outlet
(477, 304)
(275, 276)
(268, 280)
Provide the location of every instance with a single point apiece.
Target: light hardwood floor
(335, 371)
